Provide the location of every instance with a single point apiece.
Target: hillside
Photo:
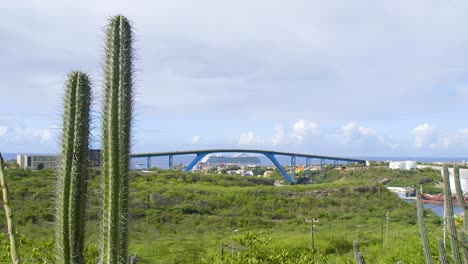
(181, 217)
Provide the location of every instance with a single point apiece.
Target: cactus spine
(73, 173)
(15, 259)
(423, 230)
(117, 117)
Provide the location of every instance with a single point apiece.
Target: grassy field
(178, 217)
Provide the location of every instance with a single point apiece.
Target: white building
(40, 162)
(402, 165)
(37, 162)
(403, 192)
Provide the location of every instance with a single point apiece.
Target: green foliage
(338, 245)
(73, 174)
(178, 217)
(117, 121)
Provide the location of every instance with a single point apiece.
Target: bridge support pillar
(273, 159)
(148, 163)
(293, 167)
(307, 170)
(194, 162)
(171, 162)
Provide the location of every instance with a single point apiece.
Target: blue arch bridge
(200, 154)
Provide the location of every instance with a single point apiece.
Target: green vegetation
(178, 217)
(431, 180)
(117, 122)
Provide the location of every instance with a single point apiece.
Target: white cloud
(423, 135)
(304, 128)
(249, 138)
(353, 133)
(300, 132)
(26, 134)
(455, 139)
(196, 140)
(280, 137)
(3, 130)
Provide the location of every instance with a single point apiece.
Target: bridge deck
(191, 152)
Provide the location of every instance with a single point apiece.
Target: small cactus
(422, 229)
(73, 172)
(450, 220)
(117, 121)
(464, 205)
(14, 254)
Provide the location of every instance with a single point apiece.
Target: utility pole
(312, 241)
(386, 235)
(382, 226)
(357, 232)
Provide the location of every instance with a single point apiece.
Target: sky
(346, 78)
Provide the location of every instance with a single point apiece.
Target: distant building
(403, 192)
(37, 162)
(402, 165)
(40, 162)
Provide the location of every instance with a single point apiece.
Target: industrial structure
(403, 165)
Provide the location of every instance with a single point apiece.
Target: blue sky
(349, 78)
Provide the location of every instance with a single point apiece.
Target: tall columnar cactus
(117, 120)
(423, 230)
(449, 215)
(15, 258)
(73, 173)
(464, 205)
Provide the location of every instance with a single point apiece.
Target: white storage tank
(410, 164)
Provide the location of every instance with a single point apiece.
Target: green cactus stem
(14, 254)
(442, 253)
(464, 205)
(422, 229)
(449, 217)
(73, 172)
(117, 121)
